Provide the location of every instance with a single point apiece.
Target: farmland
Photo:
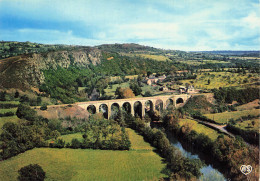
(199, 128)
(249, 125)
(149, 56)
(222, 79)
(226, 116)
(140, 163)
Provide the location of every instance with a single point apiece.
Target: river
(209, 173)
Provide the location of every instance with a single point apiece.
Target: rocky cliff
(25, 71)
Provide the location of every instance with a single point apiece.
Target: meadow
(67, 138)
(140, 163)
(202, 62)
(111, 91)
(200, 128)
(149, 56)
(226, 116)
(249, 125)
(10, 102)
(221, 79)
(13, 110)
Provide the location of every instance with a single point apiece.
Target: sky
(190, 25)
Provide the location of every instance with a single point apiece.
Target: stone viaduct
(134, 106)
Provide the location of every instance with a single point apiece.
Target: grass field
(137, 141)
(111, 91)
(201, 62)
(226, 116)
(221, 79)
(154, 90)
(248, 106)
(247, 125)
(131, 77)
(10, 102)
(67, 138)
(140, 163)
(8, 110)
(200, 128)
(150, 56)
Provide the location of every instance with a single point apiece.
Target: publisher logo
(246, 169)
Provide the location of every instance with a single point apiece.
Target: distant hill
(22, 63)
(234, 53)
(127, 48)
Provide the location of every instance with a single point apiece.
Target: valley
(90, 112)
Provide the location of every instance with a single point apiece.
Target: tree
(24, 99)
(124, 93)
(147, 94)
(43, 107)
(16, 94)
(118, 92)
(55, 134)
(136, 88)
(2, 96)
(31, 173)
(25, 111)
(39, 100)
(75, 143)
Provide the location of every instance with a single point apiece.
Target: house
(164, 88)
(189, 89)
(153, 80)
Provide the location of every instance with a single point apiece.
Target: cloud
(252, 21)
(185, 25)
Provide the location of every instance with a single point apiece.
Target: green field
(111, 91)
(130, 77)
(150, 56)
(247, 125)
(8, 110)
(200, 128)
(140, 163)
(67, 138)
(137, 141)
(10, 102)
(221, 79)
(226, 116)
(154, 90)
(201, 62)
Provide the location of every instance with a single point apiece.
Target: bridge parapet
(175, 99)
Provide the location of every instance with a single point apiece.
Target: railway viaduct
(134, 106)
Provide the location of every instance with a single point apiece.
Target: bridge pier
(176, 99)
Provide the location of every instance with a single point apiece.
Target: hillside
(25, 70)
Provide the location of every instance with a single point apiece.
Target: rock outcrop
(26, 71)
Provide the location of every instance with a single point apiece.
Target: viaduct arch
(144, 103)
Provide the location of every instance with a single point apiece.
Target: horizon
(132, 43)
(171, 25)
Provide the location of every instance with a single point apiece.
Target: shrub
(25, 111)
(31, 173)
(44, 107)
(75, 143)
(147, 94)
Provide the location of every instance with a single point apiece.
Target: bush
(25, 111)
(147, 94)
(75, 143)
(31, 173)
(7, 114)
(44, 107)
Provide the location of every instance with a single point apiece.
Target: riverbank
(231, 153)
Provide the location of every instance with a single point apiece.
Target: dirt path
(221, 128)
